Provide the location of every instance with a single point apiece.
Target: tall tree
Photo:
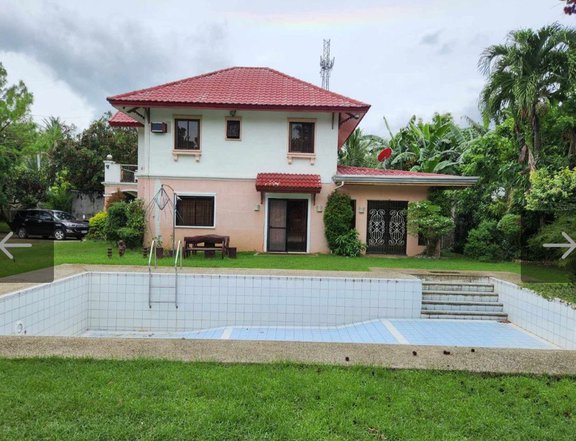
(525, 74)
(16, 132)
(82, 156)
(360, 150)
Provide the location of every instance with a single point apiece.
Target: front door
(287, 225)
(386, 229)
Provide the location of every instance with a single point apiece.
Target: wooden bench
(207, 243)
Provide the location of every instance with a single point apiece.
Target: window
(301, 137)
(195, 211)
(187, 134)
(233, 129)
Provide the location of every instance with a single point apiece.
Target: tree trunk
(536, 141)
(572, 148)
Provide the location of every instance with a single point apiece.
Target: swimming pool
(334, 308)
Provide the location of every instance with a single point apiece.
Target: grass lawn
(92, 252)
(162, 400)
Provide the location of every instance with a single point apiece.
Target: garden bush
(98, 226)
(338, 217)
(483, 242)
(348, 244)
(426, 220)
(127, 222)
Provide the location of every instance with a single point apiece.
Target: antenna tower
(326, 64)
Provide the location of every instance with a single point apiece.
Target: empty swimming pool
(343, 309)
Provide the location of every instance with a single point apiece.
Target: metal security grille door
(386, 229)
(287, 225)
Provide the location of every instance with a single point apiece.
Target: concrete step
(457, 306)
(455, 296)
(461, 286)
(464, 315)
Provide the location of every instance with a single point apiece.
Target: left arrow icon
(4, 245)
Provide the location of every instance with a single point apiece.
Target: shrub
(483, 242)
(349, 245)
(98, 226)
(127, 222)
(510, 227)
(115, 197)
(338, 217)
(425, 219)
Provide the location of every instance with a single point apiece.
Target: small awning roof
(120, 119)
(378, 176)
(288, 183)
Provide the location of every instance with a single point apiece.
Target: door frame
(302, 196)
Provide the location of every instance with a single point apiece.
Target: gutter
(441, 181)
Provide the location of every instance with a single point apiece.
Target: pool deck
(549, 362)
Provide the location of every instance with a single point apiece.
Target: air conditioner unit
(158, 127)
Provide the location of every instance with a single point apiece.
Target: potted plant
(159, 247)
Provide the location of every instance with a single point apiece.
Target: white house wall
(263, 146)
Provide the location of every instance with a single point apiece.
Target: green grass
(92, 252)
(161, 400)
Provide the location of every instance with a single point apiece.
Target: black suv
(46, 223)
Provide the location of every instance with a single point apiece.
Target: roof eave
(433, 181)
(122, 104)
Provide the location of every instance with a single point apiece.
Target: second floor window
(187, 134)
(233, 129)
(301, 137)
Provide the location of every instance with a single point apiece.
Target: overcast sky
(402, 57)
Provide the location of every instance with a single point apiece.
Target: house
(251, 153)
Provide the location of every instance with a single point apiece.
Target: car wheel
(22, 233)
(59, 234)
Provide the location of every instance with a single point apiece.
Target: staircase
(460, 297)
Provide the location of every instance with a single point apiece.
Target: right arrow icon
(571, 245)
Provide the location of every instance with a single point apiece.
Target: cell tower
(326, 65)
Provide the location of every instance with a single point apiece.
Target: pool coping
(491, 360)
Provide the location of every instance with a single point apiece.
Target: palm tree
(532, 69)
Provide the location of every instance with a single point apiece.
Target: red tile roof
(241, 88)
(365, 171)
(288, 183)
(122, 120)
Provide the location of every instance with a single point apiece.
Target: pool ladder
(177, 265)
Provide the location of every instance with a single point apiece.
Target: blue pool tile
(477, 333)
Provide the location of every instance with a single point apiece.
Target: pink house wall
(363, 193)
(236, 216)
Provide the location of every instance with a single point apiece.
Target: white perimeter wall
(119, 302)
(263, 146)
(552, 320)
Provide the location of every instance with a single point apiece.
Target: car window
(62, 215)
(45, 216)
(32, 214)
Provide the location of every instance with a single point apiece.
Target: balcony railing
(127, 173)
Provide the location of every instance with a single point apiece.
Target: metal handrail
(178, 254)
(152, 252)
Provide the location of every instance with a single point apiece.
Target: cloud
(431, 39)
(97, 59)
